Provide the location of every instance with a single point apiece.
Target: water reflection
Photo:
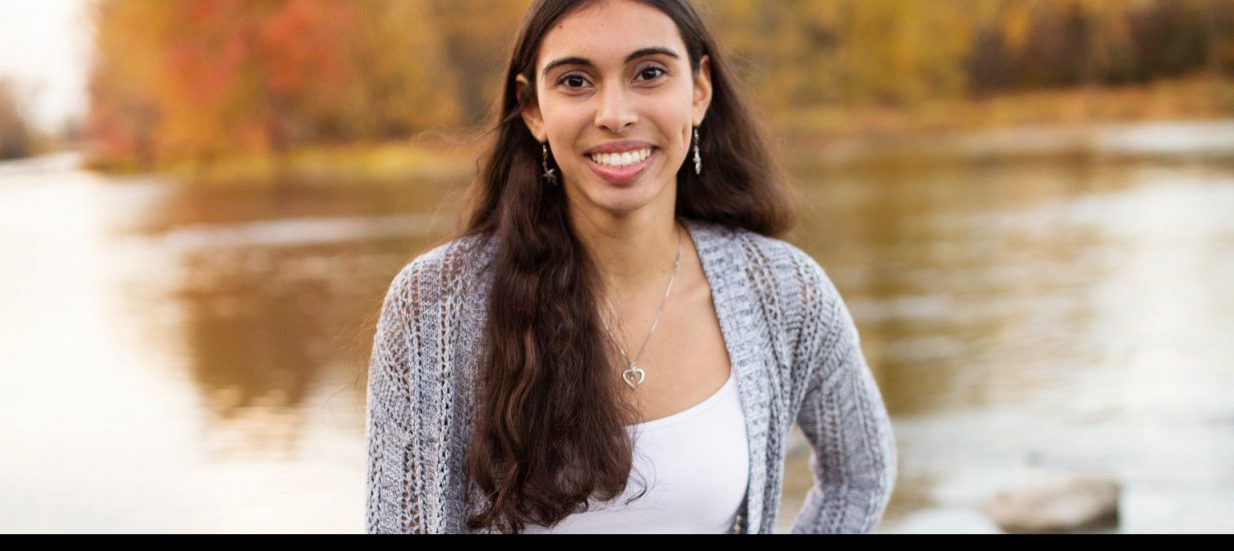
(190, 359)
(180, 363)
(1067, 315)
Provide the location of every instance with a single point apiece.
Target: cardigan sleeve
(395, 490)
(842, 415)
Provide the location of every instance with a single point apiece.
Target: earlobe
(530, 113)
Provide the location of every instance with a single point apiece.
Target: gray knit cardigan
(793, 346)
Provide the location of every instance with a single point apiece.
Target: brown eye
(570, 78)
(645, 70)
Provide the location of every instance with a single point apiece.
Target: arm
(394, 496)
(842, 415)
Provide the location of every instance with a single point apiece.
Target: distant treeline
(197, 79)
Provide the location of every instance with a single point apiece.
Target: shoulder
(761, 255)
(445, 261)
(436, 273)
(788, 268)
(450, 257)
(779, 271)
(798, 295)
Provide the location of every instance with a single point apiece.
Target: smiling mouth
(623, 168)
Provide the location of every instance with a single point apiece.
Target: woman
(617, 342)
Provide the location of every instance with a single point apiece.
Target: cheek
(563, 127)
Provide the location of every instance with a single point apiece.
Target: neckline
(693, 411)
(718, 253)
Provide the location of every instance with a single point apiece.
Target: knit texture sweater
(792, 343)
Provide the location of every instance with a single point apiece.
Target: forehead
(609, 30)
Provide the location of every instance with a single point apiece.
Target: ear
(702, 89)
(531, 113)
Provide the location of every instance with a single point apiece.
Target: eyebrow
(643, 52)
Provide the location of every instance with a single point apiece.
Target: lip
(626, 175)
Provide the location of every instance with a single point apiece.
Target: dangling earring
(549, 173)
(698, 159)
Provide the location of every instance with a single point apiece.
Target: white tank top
(695, 465)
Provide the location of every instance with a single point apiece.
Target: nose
(615, 112)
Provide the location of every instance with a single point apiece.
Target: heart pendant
(631, 373)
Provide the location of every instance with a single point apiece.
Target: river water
(189, 359)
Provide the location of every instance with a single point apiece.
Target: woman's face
(616, 76)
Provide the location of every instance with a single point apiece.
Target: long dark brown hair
(549, 423)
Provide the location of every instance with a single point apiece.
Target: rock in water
(1057, 502)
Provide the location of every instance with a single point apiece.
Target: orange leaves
(306, 39)
(224, 74)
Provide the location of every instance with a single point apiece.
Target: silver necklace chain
(634, 375)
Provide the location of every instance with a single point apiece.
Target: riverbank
(434, 158)
(1094, 120)
(1192, 98)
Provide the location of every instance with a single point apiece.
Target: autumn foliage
(176, 79)
(199, 79)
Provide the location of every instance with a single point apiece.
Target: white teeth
(621, 159)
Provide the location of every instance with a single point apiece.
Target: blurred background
(1027, 204)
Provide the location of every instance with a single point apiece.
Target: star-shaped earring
(550, 174)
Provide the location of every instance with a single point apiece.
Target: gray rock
(1057, 502)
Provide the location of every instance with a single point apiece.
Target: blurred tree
(122, 93)
(1036, 43)
(477, 36)
(410, 82)
(176, 79)
(854, 51)
(201, 78)
(16, 137)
